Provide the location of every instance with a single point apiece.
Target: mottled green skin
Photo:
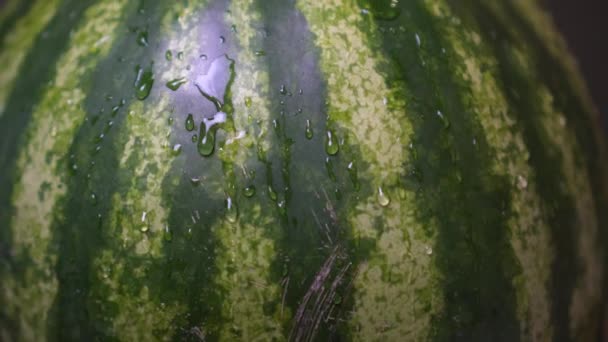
(469, 116)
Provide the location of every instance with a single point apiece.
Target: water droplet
(177, 149)
(272, 194)
(331, 143)
(115, 110)
(338, 194)
(308, 133)
(231, 210)
(190, 126)
(249, 191)
(109, 125)
(222, 40)
(276, 125)
(381, 9)
(203, 57)
(93, 198)
(260, 53)
(206, 142)
(142, 38)
(195, 181)
(383, 199)
(522, 182)
(168, 236)
(143, 82)
(170, 120)
(283, 90)
(180, 55)
(282, 206)
(329, 167)
(247, 101)
(168, 55)
(194, 138)
(428, 250)
(444, 119)
(174, 84)
(144, 228)
(354, 178)
(233, 28)
(99, 138)
(418, 42)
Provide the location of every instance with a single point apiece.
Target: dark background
(584, 24)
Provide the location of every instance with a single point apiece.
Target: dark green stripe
(82, 310)
(503, 32)
(6, 25)
(456, 188)
(189, 264)
(586, 125)
(184, 275)
(304, 182)
(29, 86)
(582, 119)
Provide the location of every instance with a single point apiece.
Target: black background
(584, 24)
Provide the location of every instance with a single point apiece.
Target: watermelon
(268, 170)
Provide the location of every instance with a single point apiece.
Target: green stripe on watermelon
(247, 235)
(464, 221)
(15, 46)
(459, 189)
(314, 265)
(42, 183)
(568, 206)
(563, 77)
(123, 248)
(34, 76)
(530, 235)
(11, 12)
(373, 115)
(196, 199)
(588, 149)
(588, 288)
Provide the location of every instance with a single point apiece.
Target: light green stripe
(245, 252)
(530, 238)
(18, 42)
(383, 309)
(588, 289)
(138, 217)
(562, 141)
(54, 122)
